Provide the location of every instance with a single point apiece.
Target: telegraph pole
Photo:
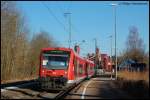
(114, 5)
(95, 55)
(95, 44)
(122, 3)
(110, 45)
(111, 48)
(69, 24)
(111, 54)
(115, 40)
(95, 47)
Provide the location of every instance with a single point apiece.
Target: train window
(86, 71)
(89, 68)
(80, 68)
(75, 67)
(83, 71)
(45, 61)
(55, 61)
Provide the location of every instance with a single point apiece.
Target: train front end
(53, 72)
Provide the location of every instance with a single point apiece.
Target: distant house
(131, 65)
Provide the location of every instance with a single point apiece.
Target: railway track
(4, 85)
(29, 90)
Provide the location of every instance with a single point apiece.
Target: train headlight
(54, 72)
(43, 71)
(65, 75)
(65, 72)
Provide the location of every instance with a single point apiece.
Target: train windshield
(55, 60)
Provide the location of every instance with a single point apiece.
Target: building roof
(126, 63)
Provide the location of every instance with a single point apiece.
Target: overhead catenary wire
(51, 12)
(72, 25)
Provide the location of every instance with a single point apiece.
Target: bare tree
(135, 46)
(19, 56)
(14, 42)
(9, 18)
(39, 41)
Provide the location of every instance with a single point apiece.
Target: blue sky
(90, 19)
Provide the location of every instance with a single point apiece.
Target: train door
(76, 65)
(86, 69)
(80, 72)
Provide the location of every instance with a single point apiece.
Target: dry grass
(136, 84)
(134, 75)
(17, 80)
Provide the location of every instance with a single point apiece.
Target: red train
(62, 67)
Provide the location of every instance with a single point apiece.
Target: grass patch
(17, 80)
(126, 75)
(135, 84)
